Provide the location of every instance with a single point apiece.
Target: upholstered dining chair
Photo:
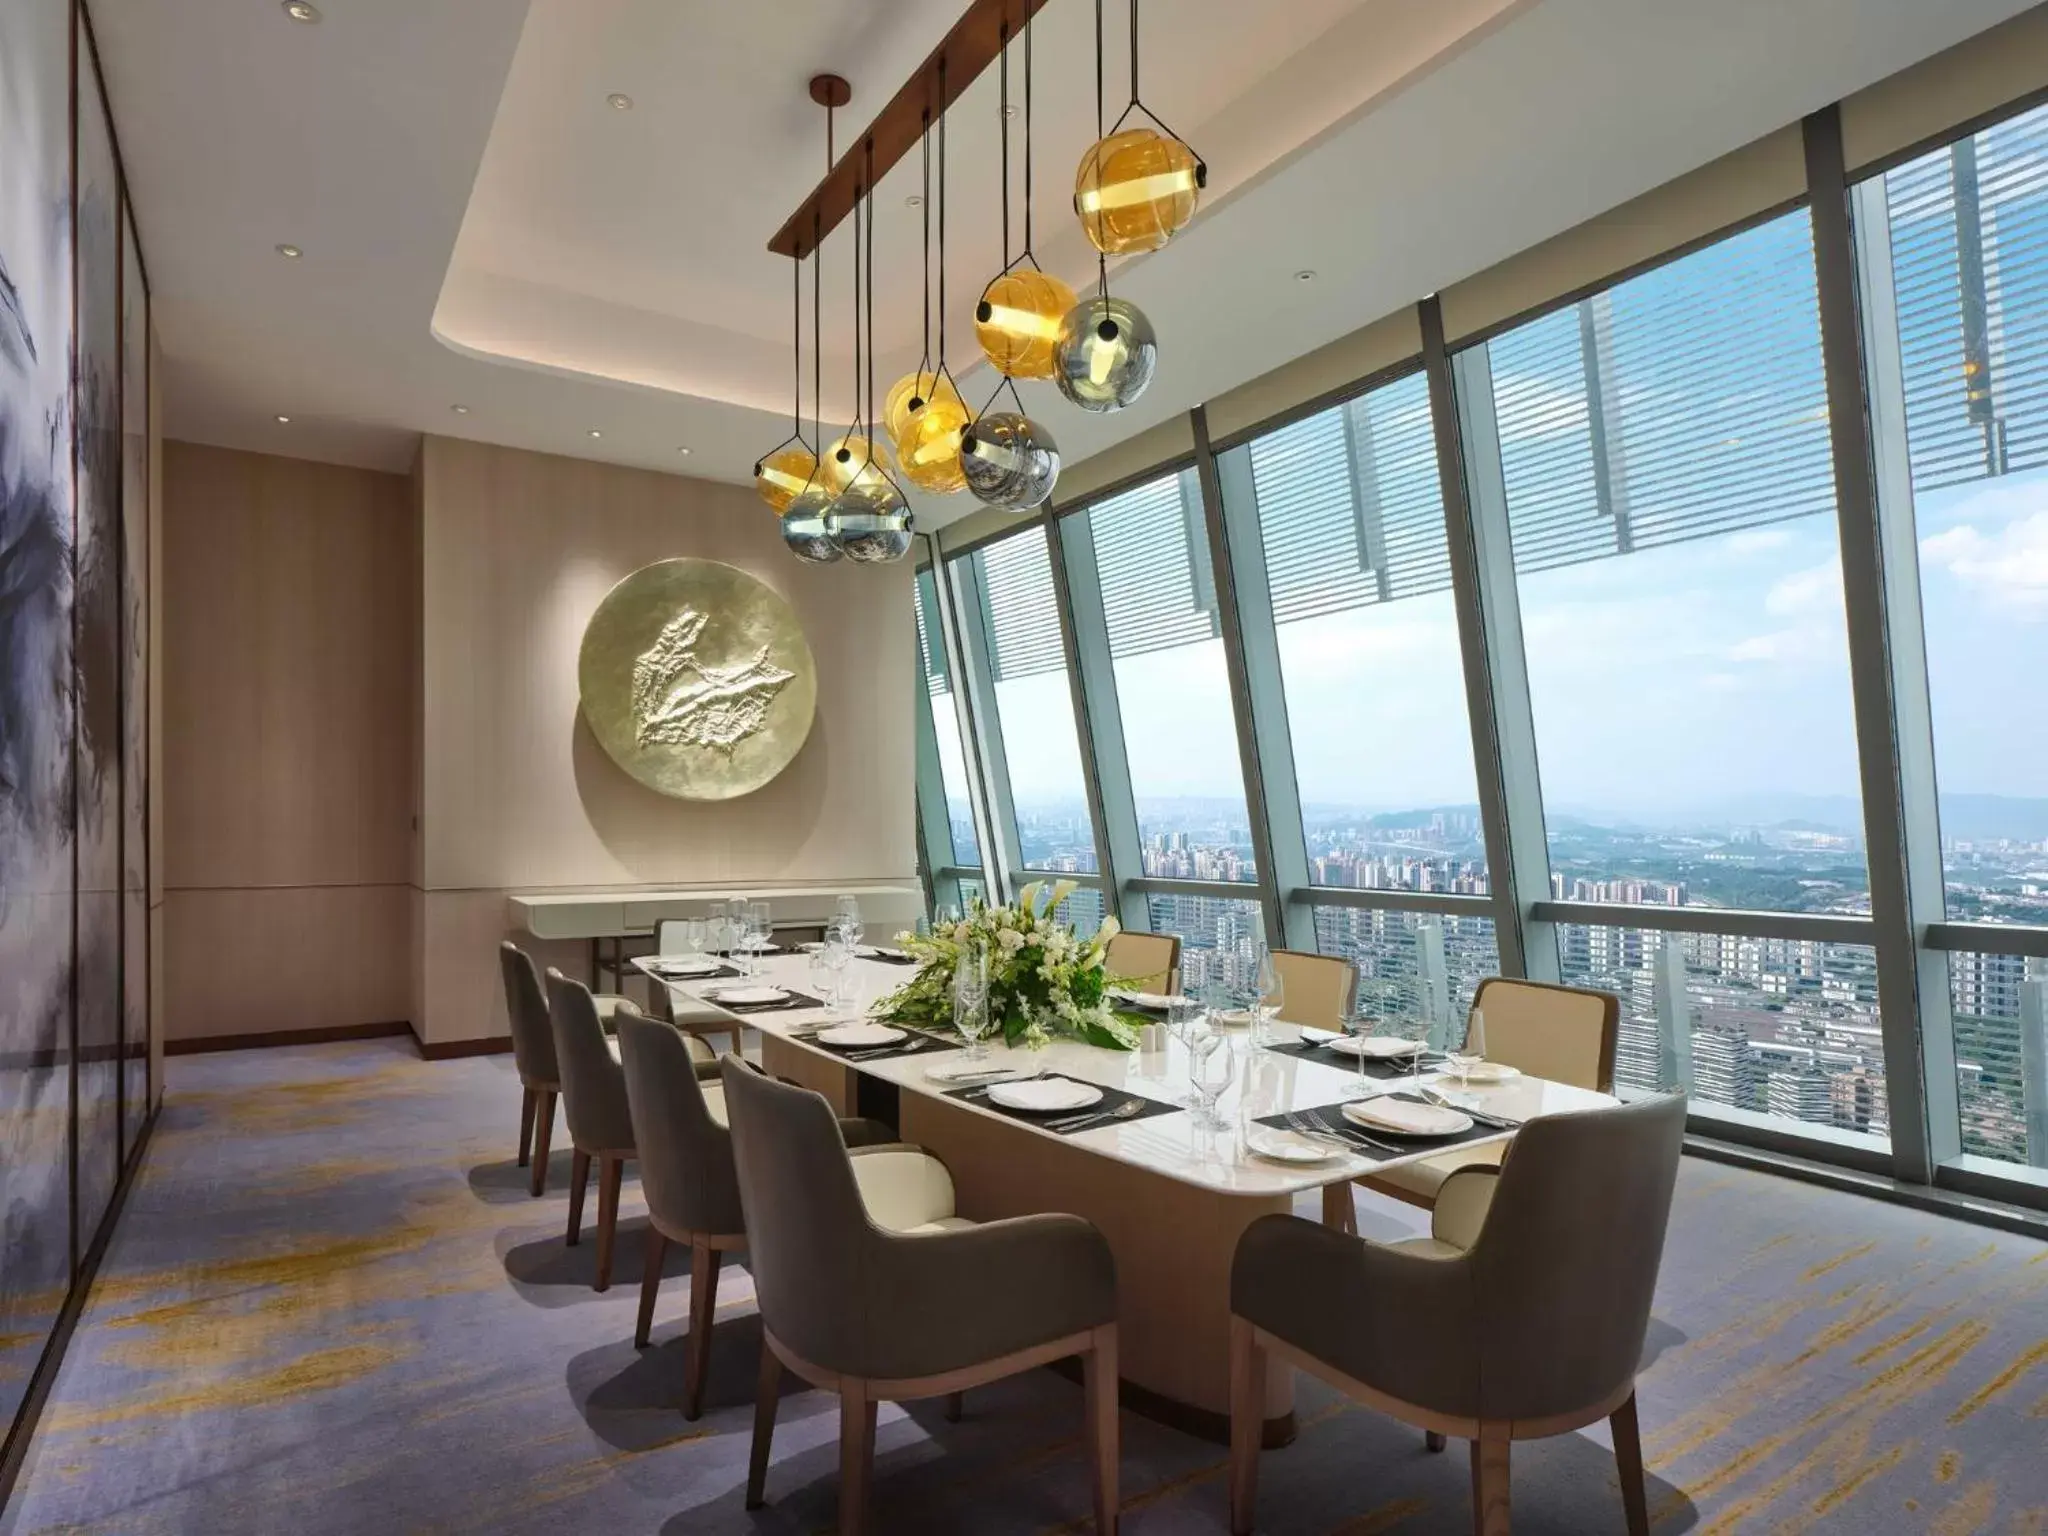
(1149, 961)
(699, 1019)
(1317, 988)
(869, 1286)
(677, 1103)
(1523, 1323)
(1565, 1034)
(594, 1099)
(533, 1056)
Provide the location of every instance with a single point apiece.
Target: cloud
(1757, 541)
(2008, 566)
(1813, 591)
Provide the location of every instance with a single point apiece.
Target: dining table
(1170, 1193)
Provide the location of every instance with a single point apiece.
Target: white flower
(1010, 940)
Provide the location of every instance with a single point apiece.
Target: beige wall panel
(286, 660)
(1738, 186)
(519, 549)
(1930, 100)
(1130, 459)
(460, 987)
(242, 962)
(1337, 367)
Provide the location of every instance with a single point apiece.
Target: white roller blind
(1152, 558)
(1969, 233)
(1023, 611)
(1350, 504)
(930, 650)
(1684, 403)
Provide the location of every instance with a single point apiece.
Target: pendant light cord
(859, 422)
(796, 350)
(1003, 55)
(1027, 146)
(1101, 258)
(925, 206)
(1137, 105)
(817, 347)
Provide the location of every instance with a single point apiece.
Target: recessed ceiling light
(285, 420)
(913, 201)
(1304, 276)
(684, 452)
(302, 10)
(460, 410)
(1010, 110)
(595, 433)
(620, 101)
(290, 252)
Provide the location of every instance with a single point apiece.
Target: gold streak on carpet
(1970, 1513)
(1385, 1518)
(321, 1371)
(1950, 1463)
(2032, 1356)
(1829, 1266)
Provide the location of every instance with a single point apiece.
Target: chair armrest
(943, 1300)
(1462, 1202)
(902, 1186)
(1399, 1320)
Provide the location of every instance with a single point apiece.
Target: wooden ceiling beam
(974, 43)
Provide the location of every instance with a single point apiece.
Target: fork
(1497, 1122)
(1129, 1109)
(1305, 1124)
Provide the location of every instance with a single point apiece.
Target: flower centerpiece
(1044, 980)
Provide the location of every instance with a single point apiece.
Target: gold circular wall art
(697, 679)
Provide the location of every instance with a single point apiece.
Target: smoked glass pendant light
(1018, 319)
(1137, 186)
(869, 518)
(804, 531)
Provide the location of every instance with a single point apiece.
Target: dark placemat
(917, 1044)
(1069, 1122)
(684, 978)
(1381, 1146)
(882, 957)
(1384, 1071)
(795, 1002)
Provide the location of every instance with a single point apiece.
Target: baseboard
(264, 1039)
(14, 1450)
(452, 1050)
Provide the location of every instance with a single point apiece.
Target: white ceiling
(480, 228)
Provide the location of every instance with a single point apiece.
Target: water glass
(1472, 1052)
(761, 920)
(1359, 1022)
(1272, 995)
(970, 999)
(1212, 1063)
(826, 974)
(846, 918)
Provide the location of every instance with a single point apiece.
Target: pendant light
(1107, 350)
(1136, 187)
(804, 528)
(1018, 319)
(928, 450)
(788, 467)
(870, 518)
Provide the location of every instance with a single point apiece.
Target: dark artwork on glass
(134, 692)
(35, 683)
(96, 633)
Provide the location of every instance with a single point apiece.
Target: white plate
(1486, 1072)
(688, 967)
(1231, 1018)
(861, 1034)
(1406, 1118)
(1045, 1095)
(1286, 1147)
(1374, 1047)
(749, 995)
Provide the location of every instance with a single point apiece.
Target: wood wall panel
(288, 657)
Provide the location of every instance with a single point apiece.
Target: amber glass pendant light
(782, 472)
(924, 412)
(1137, 186)
(1018, 319)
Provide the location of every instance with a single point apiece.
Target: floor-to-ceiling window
(945, 805)
(1661, 450)
(1955, 255)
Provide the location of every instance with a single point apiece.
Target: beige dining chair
(533, 1057)
(1147, 961)
(594, 1102)
(1316, 989)
(872, 1288)
(677, 1104)
(1521, 1316)
(699, 1019)
(1565, 1034)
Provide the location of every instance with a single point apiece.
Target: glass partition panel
(1670, 494)
(1351, 520)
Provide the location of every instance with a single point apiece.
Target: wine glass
(761, 920)
(1183, 1018)
(846, 917)
(693, 938)
(970, 999)
(827, 973)
(1212, 1062)
(1463, 1058)
(1272, 993)
(1359, 1021)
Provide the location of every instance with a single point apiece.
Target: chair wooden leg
(856, 1456)
(956, 1407)
(1628, 1456)
(650, 1284)
(1099, 1384)
(1339, 1214)
(704, 1262)
(1490, 1481)
(611, 1171)
(1247, 1415)
(527, 1098)
(579, 1179)
(1432, 1441)
(543, 1137)
(765, 1396)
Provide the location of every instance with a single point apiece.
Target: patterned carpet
(331, 1308)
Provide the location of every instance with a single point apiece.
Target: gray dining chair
(1519, 1317)
(594, 1102)
(871, 1287)
(533, 1057)
(677, 1104)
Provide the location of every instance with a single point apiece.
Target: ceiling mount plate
(830, 90)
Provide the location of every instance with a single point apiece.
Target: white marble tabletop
(1172, 1145)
